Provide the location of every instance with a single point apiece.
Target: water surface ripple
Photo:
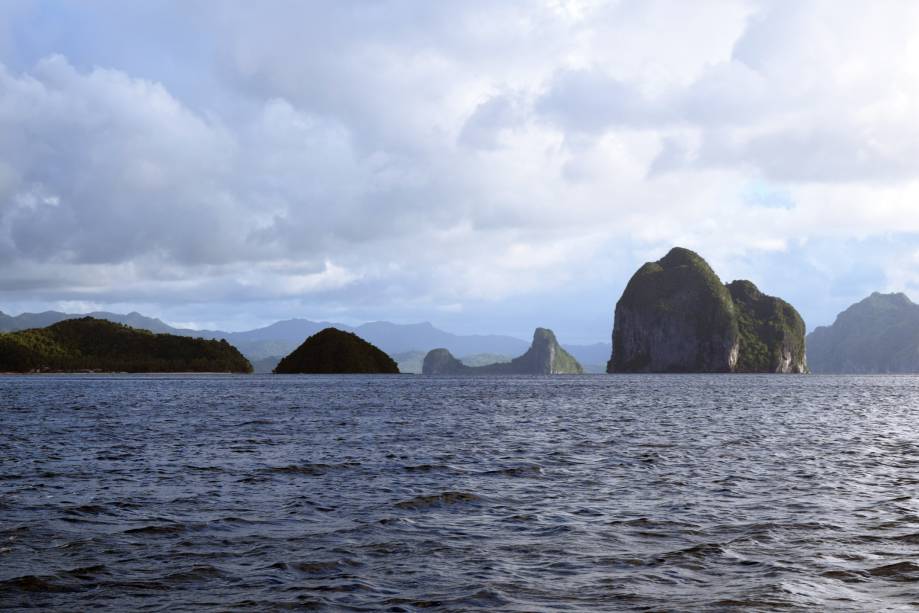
(592, 493)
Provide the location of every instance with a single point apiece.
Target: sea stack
(331, 351)
(544, 357)
(676, 315)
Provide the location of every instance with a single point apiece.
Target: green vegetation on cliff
(675, 315)
(771, 331)
(97, 345)
(547, 350)
(332, 351)
(657, 284)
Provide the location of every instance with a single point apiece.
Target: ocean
(405, 493)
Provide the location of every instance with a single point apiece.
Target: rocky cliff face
(880, 334)
(544, 357)
(771, 332)
(675, 315)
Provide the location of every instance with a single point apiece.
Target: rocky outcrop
(771, 332)
(675, 315)
(332, 351)
(544, 357)
(442, 362)
(878, 335)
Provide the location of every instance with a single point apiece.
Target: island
(544, 357)
(96, 345)
(676, 315)
(332, 351)
(877, 335)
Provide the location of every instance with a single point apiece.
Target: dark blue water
(588, 493)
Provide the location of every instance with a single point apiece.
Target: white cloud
(411, 156)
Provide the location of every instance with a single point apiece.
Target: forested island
(96, 345)
(332, 351)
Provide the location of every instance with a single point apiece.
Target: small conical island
(544, 357)
(96, 345)
(331, 351)
(676, 315)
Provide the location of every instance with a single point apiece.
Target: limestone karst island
(544, 357)
(676, 315)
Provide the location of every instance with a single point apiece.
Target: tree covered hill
(90, 344)
(332, 351)
(877, 335)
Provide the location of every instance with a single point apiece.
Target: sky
(486, 166)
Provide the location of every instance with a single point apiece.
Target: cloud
(484, 127)
(409, 160)
(812, 92)
(590, 101)
(102, 168)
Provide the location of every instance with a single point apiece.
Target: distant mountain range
(265, 346)
(878, 335)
